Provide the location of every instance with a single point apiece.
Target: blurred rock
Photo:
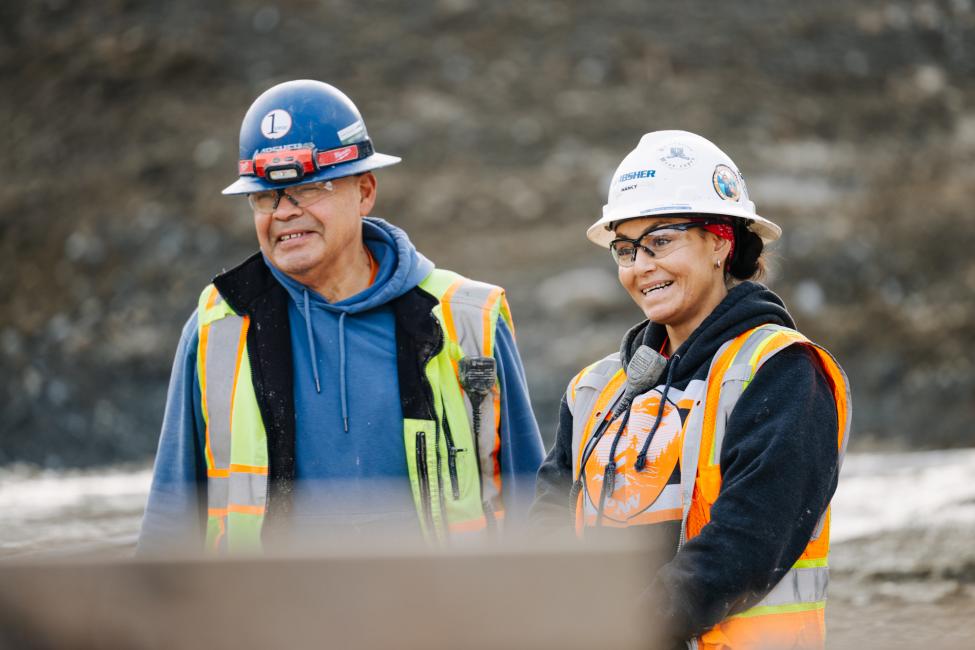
(851, 121)
(581, 293)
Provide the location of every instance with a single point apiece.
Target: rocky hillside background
(853, 122)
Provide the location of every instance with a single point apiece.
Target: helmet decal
(726, 183)
(276, 124)
(353, 132)
(302, 131)
(677, 155)
(690, 174)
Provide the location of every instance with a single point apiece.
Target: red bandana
(722, 230)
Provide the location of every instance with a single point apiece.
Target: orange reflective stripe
(799, 629)
(224, 472)
(471, 526)
(248, 469)
(488, 341)
(448, 317)
(212, 299)
(496, 477)
(237, 508)
(599, 408)
(840, 390)
(201, 371)
(241, 346)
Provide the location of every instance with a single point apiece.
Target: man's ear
(367, 193)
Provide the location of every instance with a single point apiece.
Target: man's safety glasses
(657, 241)
(302, 196)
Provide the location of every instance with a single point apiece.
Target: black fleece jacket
(779, 470)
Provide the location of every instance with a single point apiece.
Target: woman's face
(681, 288)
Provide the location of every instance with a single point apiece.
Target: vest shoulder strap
(585, 387)
(212, 307)
(468, 310)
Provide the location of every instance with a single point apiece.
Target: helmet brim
(600, 233)
(249, 184)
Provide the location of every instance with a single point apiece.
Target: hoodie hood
(747, 305)
(401, 267)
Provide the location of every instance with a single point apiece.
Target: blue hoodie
(350, 462)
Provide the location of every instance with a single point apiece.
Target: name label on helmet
(643, 173)
(352, 132)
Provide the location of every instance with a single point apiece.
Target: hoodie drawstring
(345, 403)
(311, 345)
(342, 363)
(641, 459)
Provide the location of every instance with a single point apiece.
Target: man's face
(306, 241)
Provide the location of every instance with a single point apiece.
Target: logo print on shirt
(635, 492)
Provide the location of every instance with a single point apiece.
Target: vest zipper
(424, 475)
(451, 457)
(428, 393)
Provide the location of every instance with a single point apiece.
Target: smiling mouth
(292, 236)
(656, 287)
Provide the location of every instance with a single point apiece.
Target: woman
(736, 469)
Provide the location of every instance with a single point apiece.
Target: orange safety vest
(792, 614)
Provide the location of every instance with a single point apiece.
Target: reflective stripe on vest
(446, 487)
(792, 612)
(468, 312)
(236, 462)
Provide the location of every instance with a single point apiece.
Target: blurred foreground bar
(559, 596)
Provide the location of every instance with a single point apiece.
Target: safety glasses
(302, 196)
(658, 242)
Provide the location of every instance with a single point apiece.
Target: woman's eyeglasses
(657, 242)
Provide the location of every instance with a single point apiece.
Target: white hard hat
(677, 172)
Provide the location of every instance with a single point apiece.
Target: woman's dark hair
(747, 263)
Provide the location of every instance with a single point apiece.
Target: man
(336, 382)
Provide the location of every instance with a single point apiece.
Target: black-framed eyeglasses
(301, 196)
(657, 241)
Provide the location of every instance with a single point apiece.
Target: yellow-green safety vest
(447, 504)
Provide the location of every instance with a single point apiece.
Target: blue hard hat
(301, 132)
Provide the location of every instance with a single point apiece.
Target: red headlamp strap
(308, 159)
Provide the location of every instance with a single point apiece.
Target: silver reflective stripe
(221, 365)
(239, 489)
(470, 302)
(733, 384)
(799, 585)
(247, 489)
(732, 387)
(218, 493)
(587, 392)
(669, 498)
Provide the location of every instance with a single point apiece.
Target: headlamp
(293, 164)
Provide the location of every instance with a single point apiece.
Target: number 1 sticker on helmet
(276, 124)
